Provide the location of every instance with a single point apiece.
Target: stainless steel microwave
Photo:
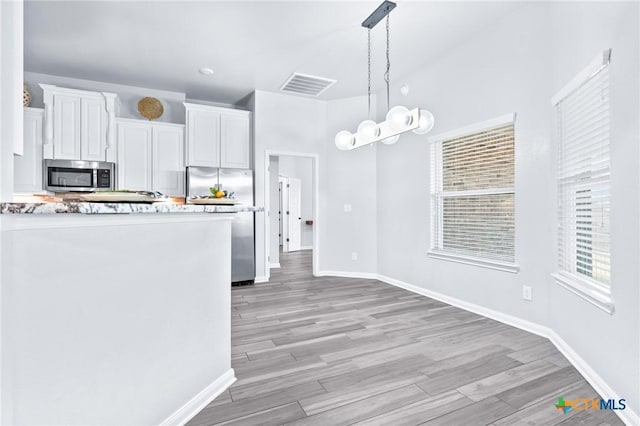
(74, 175)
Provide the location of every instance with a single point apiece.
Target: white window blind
(472, 193)
(584, 240)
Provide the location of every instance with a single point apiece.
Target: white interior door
(295, 214)
(284, 208)
(279, 214)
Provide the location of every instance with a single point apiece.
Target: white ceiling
(250, 45)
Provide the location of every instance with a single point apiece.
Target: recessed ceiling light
(206, 71)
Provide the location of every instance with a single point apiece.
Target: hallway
(337, 351)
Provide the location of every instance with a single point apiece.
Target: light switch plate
(347, 208)
(354, 255)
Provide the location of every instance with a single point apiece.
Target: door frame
(315, 161)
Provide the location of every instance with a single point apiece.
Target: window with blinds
(473, 195)
(584, 241)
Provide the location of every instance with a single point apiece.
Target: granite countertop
(118, 208)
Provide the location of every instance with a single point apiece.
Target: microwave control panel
(104, 178)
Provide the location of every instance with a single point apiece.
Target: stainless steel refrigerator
(240, 182)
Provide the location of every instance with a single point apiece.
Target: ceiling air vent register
(305, 84)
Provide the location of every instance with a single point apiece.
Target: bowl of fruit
(218, 196)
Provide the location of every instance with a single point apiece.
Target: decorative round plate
(150, 108)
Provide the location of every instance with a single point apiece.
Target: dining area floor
(342, 351)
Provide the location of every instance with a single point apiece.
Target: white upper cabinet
(235, 141)
(93, 121)
(66, 127)
(203, 137)
(134, 155)
(27, 169)
(218, 137)
(168, 159)
(77, 124)
(150, 156)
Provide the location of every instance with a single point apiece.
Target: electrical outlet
(347, 208)
(354, 255)
(526, 293)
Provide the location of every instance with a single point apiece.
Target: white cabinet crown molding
(147, 122)
(210, 108)
(78, 92)
(34, 110)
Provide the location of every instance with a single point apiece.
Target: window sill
(475, 261)
(592, 293)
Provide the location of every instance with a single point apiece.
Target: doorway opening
(292, 204)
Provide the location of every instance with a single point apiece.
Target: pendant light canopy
(399, 119)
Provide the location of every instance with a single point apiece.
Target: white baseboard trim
(261, 279)
(274, 265)
(346, 274)
(628, 416)
(306, 248)
(201, 400)
(525, 325)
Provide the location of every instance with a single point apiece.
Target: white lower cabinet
(27, 168)
(151, 156)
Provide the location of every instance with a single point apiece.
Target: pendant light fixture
(399, 119)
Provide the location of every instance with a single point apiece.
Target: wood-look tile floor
(341, 351)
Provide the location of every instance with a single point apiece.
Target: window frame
(435, 253)
(593, 291)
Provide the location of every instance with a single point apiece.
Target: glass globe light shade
(344, 140)
(368, 129)
(398, 117)
(390, 140)
(425, 124)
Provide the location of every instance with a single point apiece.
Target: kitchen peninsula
(114, 313)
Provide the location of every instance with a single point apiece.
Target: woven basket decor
(26, 96)
(150, 108)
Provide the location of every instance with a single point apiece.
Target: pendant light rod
(369, 73)
(387, 72)
(379, 14)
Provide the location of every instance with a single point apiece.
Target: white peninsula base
(114, 319)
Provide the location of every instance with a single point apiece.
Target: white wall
(502, 70)
(516, 65)
(301, 168)
(350, 178)
(610, 344)
(11, 66)
(288, 123)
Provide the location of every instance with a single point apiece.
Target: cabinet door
(134, 156)
(168, 160)
(203, 138)
(66, 127)
(27, 169)
(93, 136)
(234, 141)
